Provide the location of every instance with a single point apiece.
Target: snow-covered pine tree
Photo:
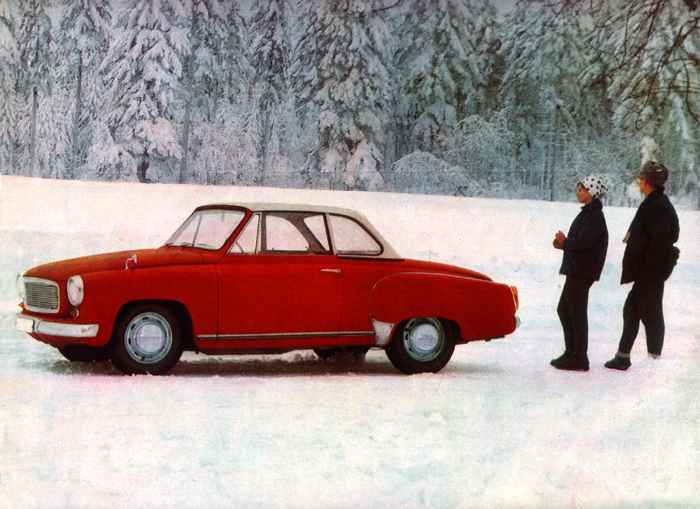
(344, 73)
(203, 76)
(650, 51)
(33, 38)
(549, 108)
(304, 81)
(141, 73)
(444, 60)
(83, 41)
(9, 66)
(271, 60)
(53, 127)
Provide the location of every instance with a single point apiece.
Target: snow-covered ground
(498, 427)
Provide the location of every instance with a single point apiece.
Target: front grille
(41, 295)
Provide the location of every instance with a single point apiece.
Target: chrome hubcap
(424, 339)
(148, 338)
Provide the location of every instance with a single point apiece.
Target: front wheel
(147, 339)
(420, 345)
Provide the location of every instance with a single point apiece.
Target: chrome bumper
(30, 324)
(517, 322)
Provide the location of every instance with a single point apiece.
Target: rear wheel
(81, 353)
(421, 345)
(147, 339)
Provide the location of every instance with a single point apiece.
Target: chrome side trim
(273, 335)
(46, 282)
(382, 331)
(30, 325)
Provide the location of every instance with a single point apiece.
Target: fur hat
(655, 173)
(595, 185)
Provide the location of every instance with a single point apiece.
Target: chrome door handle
(335, 271)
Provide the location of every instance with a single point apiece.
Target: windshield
(207, 229)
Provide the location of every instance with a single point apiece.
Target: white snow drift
(497, 428)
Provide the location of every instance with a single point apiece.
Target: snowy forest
(456, 97)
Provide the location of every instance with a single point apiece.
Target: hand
(559, 240)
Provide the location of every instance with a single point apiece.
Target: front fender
(481, 309)
(106, 293)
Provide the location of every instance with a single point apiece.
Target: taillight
(516, 300)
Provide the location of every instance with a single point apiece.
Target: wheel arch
(180, 310)
(474, 308)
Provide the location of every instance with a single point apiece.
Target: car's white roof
(388, 251)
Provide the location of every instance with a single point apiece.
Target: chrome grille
(41, 295)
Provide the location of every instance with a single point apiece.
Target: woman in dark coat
(584, 249)
(649, 258)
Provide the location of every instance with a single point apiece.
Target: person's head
(590, 188)
(652, 177)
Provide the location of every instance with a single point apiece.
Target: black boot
(563, 358)
(573, 363)
(619, 362)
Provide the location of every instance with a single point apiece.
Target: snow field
(498, 427)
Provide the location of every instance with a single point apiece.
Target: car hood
(61, 270)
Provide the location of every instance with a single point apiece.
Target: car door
(358, 253)
(280, 280)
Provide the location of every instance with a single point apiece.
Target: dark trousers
(644, 303)
(573, 314)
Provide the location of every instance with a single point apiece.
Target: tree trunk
(186, 137)
(189, 81)
(75, 159)
(32, 139)
(142, 168)
(265, 133)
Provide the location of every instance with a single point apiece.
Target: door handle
(335, 271)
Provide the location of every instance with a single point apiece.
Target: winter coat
(586, 244)
(649, 254)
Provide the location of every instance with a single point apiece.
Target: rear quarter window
(351, 238)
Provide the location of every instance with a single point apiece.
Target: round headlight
(75, 290)
(20, 287)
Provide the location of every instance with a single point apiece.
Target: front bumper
(32, 325)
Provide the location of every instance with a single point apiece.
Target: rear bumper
(33, 325)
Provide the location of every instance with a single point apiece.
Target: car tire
(147, 340)
(421, 345)
(80, 353)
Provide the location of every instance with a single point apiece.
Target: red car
(262, 278)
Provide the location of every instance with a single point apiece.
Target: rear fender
(481, 309)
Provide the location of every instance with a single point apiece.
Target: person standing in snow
(649, 258)
(584, 249)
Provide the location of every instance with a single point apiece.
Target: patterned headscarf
(595, 185)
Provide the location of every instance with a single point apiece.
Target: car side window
(246, 242)
(351, 238)
(282, 235)
(295, 232)
(317, 225)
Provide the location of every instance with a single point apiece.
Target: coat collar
(654, 195)
(596, 204)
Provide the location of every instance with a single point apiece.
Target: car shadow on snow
(299, 364)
